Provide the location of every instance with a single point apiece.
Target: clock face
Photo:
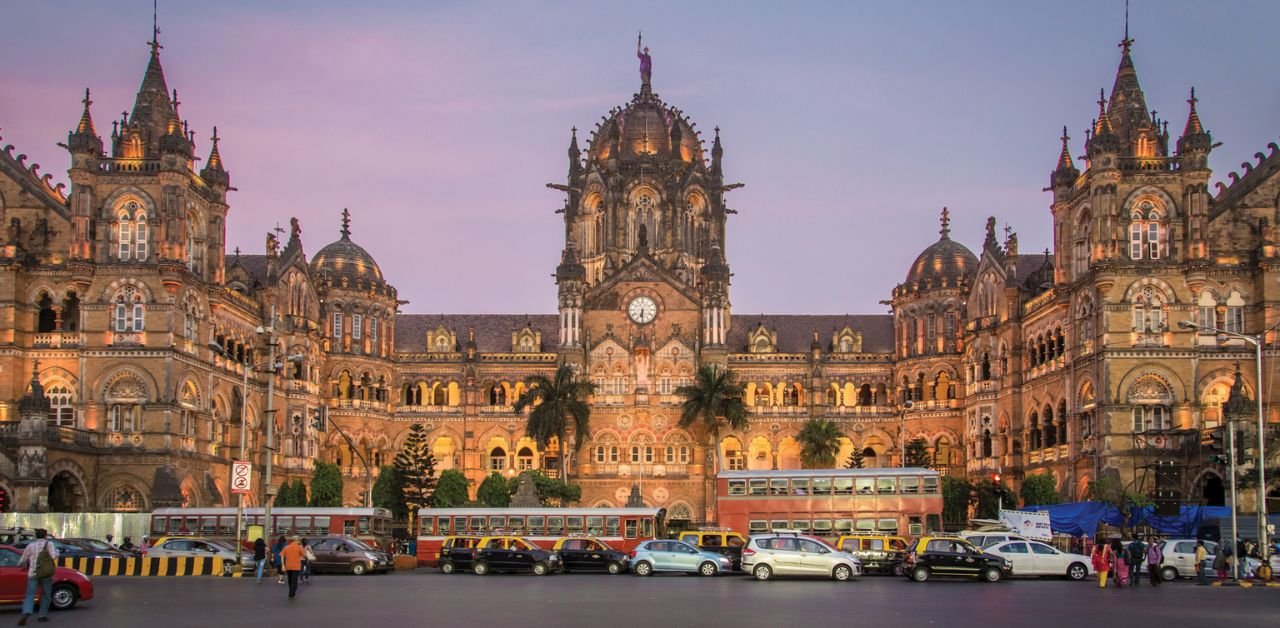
(642, 310)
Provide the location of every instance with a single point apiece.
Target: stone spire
(1065, 173)
(717, 154)
(1195, 139)
(945, 219)
(346, 224)
(1127, 109)
(1104, 138)
(85, 138)
(575, 156)
(213, 173)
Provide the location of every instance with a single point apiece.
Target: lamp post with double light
(1258, 342)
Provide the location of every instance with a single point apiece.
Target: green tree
(299, 496)
(388, 492)
(551, 492)
(713, 400)
(819, 443)
(451, 491)
(557, 403)
(326, 485)
(917, 454)
(957, 496)
(493, 492)
(856, 460)
(1039, 490)
(416, 468)
(989, 497)
(291, 493)
(1109, 490)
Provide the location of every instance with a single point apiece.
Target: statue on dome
(646, 62)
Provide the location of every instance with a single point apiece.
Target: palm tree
(556, 402)
(714, 399)
(819, 443)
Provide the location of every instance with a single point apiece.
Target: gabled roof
(493, 331)
(795, 331)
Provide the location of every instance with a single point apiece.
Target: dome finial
(346, 224)
(946, 224)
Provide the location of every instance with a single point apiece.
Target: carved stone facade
(1068, 362)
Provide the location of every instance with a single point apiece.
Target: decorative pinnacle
(946, 224)
(155, 29)
(1127, 42)
(88, 102)
(346, 224)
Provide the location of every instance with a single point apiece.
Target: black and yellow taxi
(589, 554)
(718, 541)
(456, 553)
(952, 557)
(879, 553)
(495, 554)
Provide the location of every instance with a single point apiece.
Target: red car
(69, 586)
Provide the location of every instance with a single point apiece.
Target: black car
(587, 554)
(456, 553)
(941, 556)
(71, 550)
(497, 554)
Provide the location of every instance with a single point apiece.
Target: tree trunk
(564, 458)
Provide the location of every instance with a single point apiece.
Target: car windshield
(90, 544)
(221, 545)
(821, 542)
(359, 545)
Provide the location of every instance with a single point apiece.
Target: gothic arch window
(47, 319)
(189, 405)
(129, 311)
(1151, 398)
(1033, 431)
(524, 459)
(987, 451)
(124, 498)
(497, 459)
(942, 453)
(791, 395)
(1234, 313)
(1050, 438)
(1148, 311)
(1081, 245)
(62, 399)
(131, 232)
(1146, 230)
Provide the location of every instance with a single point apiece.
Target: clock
(642, 310)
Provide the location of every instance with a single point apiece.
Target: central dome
(944, 264)
(346, 264)
(644, 128)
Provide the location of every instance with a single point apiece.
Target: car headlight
(554, 556)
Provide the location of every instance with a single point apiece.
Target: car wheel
(991, 574)
(480, 568)
(614, 568)
(228, 568)
(643, 568)
(446, 567)
(707, 569)
(540, 569)
(1168, 573)
(1077, 571)
(64, 597)
(897, 570)
(841, 573)
(359, 569)
(920, 574)
(762, 572)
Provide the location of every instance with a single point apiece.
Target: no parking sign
(241, 477)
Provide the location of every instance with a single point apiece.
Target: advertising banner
(1032, 525)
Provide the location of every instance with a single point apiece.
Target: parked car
(102, 548)
(949, 556)
(67, 549)
(983, 540)
(13, 536)
(200, 547)
(879, 553)
(512, 553)
(651, 557)
(343, 554)
(69, 586)
(590, 554)
(1180, 558)
(456, 553)
(1033, 558)
(791, 554)
(724, 542)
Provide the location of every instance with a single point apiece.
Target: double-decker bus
(621, 528)
(371, 525)
(831, 502)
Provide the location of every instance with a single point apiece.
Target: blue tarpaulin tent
(1082, 518)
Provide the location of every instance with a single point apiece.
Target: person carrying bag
(40, 558)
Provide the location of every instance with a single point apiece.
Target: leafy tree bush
(388, 492)
(856, 460)
(326, 485)
(493, 492)
(1039, 490)
(416, 468)
(957, 496)
(451, 491)
(551, 492)
(917, 454)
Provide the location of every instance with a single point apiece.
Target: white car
(1180, 558)
(983, 540)
(1033, 558)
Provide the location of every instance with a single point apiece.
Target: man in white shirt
(31, 559)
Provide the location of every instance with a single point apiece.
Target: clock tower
(643, 283)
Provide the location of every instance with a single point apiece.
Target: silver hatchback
(790, 554)
(654, 556)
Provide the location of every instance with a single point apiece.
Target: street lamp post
(1258, 343)
(244, 414)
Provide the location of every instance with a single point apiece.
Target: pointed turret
(1104, 140)
(152, 107)
(1065, 173)
(1196, 142)
(85, 138)
(575, 156)
(717, 154)
(1128, 107)
(213, 173)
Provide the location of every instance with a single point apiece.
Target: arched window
(132, 232)
(1081, 248)
(1050, 438)
(986, 367)
(497, 395)
(123, 418)
(987, 451)
(762, 397)
(129, 312)
(62, 411)
(1145, 228)
(791, 395)
(47, 320)
(1148, 311)
(524, 459)
(125, 499)
(1234, 321)
(439, 396)
(1033, 431)
(942, 453)
(1151, 399)
(497, 459)
(864, 395)
(1062, 422)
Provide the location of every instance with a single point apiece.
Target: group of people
(290, 557)
(1126, 560)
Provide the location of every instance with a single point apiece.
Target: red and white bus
(371, 525)
(621, 528)
(831, 502)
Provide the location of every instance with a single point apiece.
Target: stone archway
(66, 493)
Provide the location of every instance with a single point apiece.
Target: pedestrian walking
(308, 557)
(1155, 558)
(1119, 565)
(1137, 552)
(292, 556)
(1202, 578)
(111, 540)
(276, 559)
(1101, 558)
(1221, 562)
(40, 559)
(259, 557)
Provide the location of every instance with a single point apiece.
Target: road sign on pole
(241, 477)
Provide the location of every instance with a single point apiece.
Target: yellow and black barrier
(173, 566)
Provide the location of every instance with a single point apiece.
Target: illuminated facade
(1068, 362)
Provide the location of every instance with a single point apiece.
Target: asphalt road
(428, 598)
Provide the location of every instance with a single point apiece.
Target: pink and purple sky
(438, 123)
